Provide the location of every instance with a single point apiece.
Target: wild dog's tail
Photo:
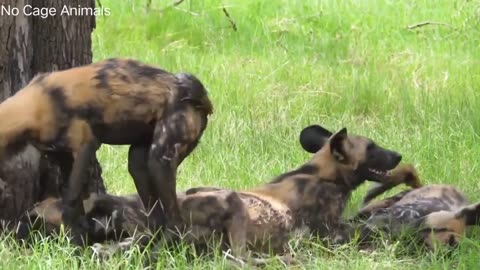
(406, 174)
(192, 90)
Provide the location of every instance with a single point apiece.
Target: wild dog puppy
(436, 213)
(313, 196)
(117, 101)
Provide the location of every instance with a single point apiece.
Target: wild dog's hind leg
(138, 169)
(236, 225)
(175, 137)
(216, 212)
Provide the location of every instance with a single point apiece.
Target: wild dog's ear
(313, 138)
(336, 144)
(471, 213)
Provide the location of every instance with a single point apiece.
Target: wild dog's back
(433, 198)
(416, 204)
(113, 88)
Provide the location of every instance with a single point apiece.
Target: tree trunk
(16, 54)
(34, 45)
(62, 42)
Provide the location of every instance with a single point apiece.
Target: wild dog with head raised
(313, 196)
(116, 101)
(436, 213)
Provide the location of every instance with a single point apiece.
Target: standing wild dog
(117, 101)
(312, 196)
(436, 213)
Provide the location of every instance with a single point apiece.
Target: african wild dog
(115, 101)
(436, 213)
(312, 196)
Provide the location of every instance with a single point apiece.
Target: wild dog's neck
(342, 175)
(316, 176)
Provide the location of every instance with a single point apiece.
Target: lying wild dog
(313, 196)
(116, 101)
(435, 213)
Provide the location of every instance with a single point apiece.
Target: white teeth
(377, 171)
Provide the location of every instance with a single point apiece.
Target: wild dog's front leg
(138, 169)
(406, 174)
(176, 135)
(78, 175)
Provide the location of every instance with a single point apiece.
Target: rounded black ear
(312, 138)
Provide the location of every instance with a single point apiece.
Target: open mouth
(380, 173)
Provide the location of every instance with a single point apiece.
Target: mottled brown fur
(313, 196)
(437, 213)
(115, 101)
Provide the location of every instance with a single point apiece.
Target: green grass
(295, 63)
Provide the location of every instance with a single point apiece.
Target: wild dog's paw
(411, 177)
(406, 174)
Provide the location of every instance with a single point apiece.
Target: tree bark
(16, 54)
(33, 45)
(62, 42)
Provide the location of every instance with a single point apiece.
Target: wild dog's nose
(396, 157)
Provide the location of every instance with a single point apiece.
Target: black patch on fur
(144, 70)
(59, 99)
(305, 169)
(301, 183)
(124, 78)
(235, 205)
(234, 201)
(92, 113)
(18, 143)
(103, 73)
(207, 202)
(63, 113)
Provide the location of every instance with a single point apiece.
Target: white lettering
(65, 11)
(9, 11)
(43, 12)
(27, 10)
